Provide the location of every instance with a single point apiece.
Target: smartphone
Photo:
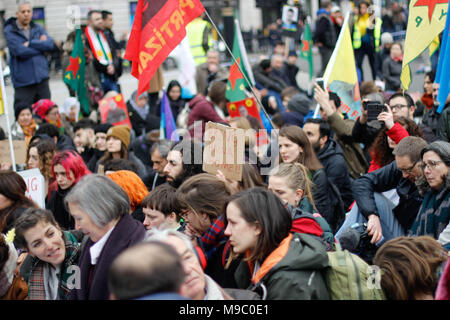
(319, 81)
(373, 109)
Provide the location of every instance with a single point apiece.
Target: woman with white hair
(101, 211)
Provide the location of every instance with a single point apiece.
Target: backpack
(351, 278)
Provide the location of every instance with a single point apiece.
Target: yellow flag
(426, 20)
(2, 108)
(341, 73)
(434, 45)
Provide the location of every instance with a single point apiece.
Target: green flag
(74, 75)
(236, 82)
(306, 49)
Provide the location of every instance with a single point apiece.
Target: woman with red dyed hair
(67, 168)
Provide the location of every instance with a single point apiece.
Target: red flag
(158, 27)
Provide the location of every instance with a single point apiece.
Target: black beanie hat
(103, 127)
(18, 109)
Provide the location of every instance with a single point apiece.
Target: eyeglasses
(409, 170)
(398, 107)
(431, 165)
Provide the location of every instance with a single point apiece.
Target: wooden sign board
(20, 151)
(224, 150)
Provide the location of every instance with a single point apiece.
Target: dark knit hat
(103, 127)
(18, 109)
(300, 103)
(121, 132)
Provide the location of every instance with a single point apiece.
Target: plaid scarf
(36, 288)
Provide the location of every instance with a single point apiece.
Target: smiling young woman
(51, 254)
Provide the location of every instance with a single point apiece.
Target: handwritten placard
(224, 150)
(20, 151)
(35, 186)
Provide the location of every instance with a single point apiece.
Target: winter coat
(321, 194)
(391, 74)
(434, 213)
(431, 119)
(140, 125)
(33, 269)
(366, 132)
(325, 32)
(28, 64)
(203, 78)
(126, 233)
(293, 271)
(267, 80)
(384, 179)
(352, 152)
(332, 159)
(201, 110)
(56, 205)
(444, 125)
(380, 56)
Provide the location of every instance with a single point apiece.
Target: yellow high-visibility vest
(195, 31)
(376, 34)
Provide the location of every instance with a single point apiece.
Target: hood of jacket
(322, 11)
(197, 99)
(12, 22)
(330, 149)
(296, 252)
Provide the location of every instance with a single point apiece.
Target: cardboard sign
(224, 150)
(114, 111)
(20, 151)
(35, 186)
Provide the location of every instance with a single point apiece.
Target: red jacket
(201, 110)
(396, 133)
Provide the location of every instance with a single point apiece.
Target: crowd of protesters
(127, 216)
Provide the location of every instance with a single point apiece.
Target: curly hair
(380, 151)
(409, 266)
(46, 149)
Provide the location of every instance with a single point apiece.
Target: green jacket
(293, 271)
(353, 154)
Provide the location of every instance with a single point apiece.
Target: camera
(356, 239)
(373, 108)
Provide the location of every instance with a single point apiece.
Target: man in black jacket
(325, 36)
(330, 156)
(384, 219)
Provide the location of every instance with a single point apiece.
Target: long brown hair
(380, 151)
(409, 266)
(46, 150)
(108, 155)
(13, 187)
(204, 193)
(308, 158)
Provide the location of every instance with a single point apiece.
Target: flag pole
(333, 57)
(240, 69)
(6, 113)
